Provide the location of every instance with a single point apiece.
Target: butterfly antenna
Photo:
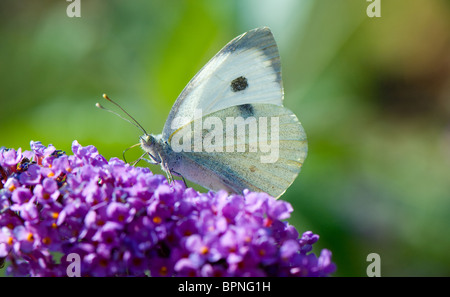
(134, 122)
(98, 105)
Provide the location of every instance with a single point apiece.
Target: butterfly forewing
(246, 71)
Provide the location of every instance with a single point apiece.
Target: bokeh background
(373, 95)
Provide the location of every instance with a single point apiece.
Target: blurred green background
(373, 95)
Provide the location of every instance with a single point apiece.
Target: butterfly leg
(137, 161)
(149, 161)
(168, 173)
(182, 177)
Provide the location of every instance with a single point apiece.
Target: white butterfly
(242, 82)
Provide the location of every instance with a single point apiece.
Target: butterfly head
(151, 144)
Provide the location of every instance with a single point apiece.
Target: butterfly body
(180, 164)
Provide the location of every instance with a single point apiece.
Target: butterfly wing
(246, 71)
(216, 163)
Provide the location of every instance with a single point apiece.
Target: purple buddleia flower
(32, 176)
(10, 158)
(20, 196)
(6, 241)
(122, 220)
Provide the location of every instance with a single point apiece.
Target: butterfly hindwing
(237, 165)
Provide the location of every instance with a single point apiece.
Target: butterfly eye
(145, 138)
(239, 84)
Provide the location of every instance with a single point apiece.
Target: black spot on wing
(239, 84)
(246, 110)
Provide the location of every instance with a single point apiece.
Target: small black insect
(24, 164)
(58, 153)
(239, 84)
